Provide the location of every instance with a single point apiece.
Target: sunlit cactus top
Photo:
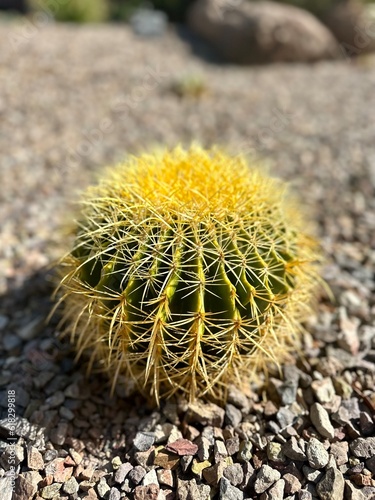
(190, 271)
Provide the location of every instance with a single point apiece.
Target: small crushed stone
(307, 434)
(317, 455)
(266, 477)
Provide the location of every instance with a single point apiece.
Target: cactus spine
(189, 271)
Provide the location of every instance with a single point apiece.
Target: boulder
(351, 24)
(247, 32)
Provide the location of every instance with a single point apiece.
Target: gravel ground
(74, 99)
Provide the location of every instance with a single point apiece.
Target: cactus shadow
(55, 397)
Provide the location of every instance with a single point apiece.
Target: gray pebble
(150, 478)
(22, 397)
(311, 474)
(4, 320)
(238, 399)
(190, 489)
(103, 488)
(13, 455)
(304, 495)
(126, 486)
(122, 472)
(285, 417)
(33, 478)
(114, 494)
(228, 491)
(208, 433)
(288, 392)
(58, 434)
(31, 329)
(245, 454)
(11, 341)
(143, 441)
(204, 448)
(266, 477)
(259, 441)
(352, 406)
(24, 489)
(51, 491)
(232, 445)
(166, 477)
(339, 451)
(233, 415)
(185, 462)
(6, 488)
(42, 379)
(234, 474)
(142, 457)
(316, 454)
(50, 455)
(56, 399)
(76, 391)
(220, 451)
(320, 418)
(331, 486)
(66, 413)
(363, 447)
(149, 422)
(58, 383)
(292, 450)
(162, 432)
(276, 492)
(274, 452)
(369, 492)
(205, 414)
(34, 459)
(137, 474)
(323, 390)
(349, 410)
(292, 484)
(274, 428)
(70, 486)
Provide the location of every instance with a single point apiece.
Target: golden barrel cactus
(190, 270)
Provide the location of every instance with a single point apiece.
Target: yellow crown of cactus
(189, 271)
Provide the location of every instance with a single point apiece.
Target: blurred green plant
(78, 11)
(192, 86)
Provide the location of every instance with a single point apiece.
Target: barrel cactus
(190, 270)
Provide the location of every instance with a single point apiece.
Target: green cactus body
(189, 272)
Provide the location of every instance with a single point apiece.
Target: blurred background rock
(240, 31)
